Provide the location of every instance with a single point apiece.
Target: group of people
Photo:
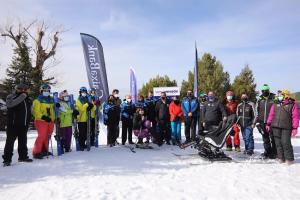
(151, 119)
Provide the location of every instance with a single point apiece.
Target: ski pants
(283, 144)
(164, 131)
(176, 130)
(127, 128)
(82, 129)
(12, 133)
(247, 133)
(236, 137)
(268, 139)
(190, 128)
(112, 133)
(44, 131)
(66, 133)
(92, 131)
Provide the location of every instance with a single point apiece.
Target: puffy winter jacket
(190, 105)
(18, 109)
(284, 115)
(214, 112)
(231, 107)
(150, 104)
(43, 106)
(246, 113)
(65, 114)
(175, 112)
(110, 114)
(81, 106)
(127, 110)
(162, 111)
(263, 107)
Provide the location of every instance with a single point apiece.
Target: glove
(97, 103)
(90, 106)
(294, 132)
(75, 113)
(57, 105)
(268, 128)
(46, 118)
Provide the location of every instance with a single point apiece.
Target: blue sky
(157, 37)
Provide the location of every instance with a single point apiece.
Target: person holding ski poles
(83, 106)
(95, 100)
(127, 111)
(43, 112)
(176, 117)
(190, 111)
(65, 117)
(18, 119)
(283, 119)
(231, 106)
(246, 114)
(111, 116)
(263, 106)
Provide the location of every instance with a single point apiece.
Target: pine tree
(245, 83)
(211, 77)
(158, 81)
(20, 70)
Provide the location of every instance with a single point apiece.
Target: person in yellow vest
(43, 112)
(65, 116)
(82, 106)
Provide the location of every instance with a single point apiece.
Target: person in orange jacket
(176, 117)
(231, 106)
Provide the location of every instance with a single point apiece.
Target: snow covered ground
(117, 173)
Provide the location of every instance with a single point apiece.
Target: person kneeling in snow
(141, 126)
(284, 121)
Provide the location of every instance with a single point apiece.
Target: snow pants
(44, 130)
(236, 137)
(176, 130)
(283, 144)
(66, 134)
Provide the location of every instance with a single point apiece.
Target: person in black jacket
(213, 111)
(263, 106)
(246, 114)
(19, 116)
(163, 119)
(117, 102)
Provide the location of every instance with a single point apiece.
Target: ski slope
(117, 173)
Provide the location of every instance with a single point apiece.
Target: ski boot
(237, 149)
(228, 148)
(6, 163)
(25, 160)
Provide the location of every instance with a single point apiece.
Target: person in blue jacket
(127, 111)
(190, 107)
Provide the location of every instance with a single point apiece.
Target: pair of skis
(58, 137)
(75, 128)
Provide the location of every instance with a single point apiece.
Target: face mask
(83, 94)
(128, 100)
(229, 98)
(280, 98)
(92, 94)
(244, 98)
(116, 95)
(46, 94)
(66, 98)
(176, 101)
(211, 98)
(189, 94)
(163, 98)
(265, 93)
(203, 99)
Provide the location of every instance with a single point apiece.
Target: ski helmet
(265, 87)
(82, 89)
(202, 94)
(286, 93)
(45, 86)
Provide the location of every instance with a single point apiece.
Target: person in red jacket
(176, 117)
(231, 106)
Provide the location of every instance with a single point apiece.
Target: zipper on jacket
(244, 114)
(25, 112)
(279, 115)
(265, 115)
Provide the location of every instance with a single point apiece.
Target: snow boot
(237, 149)
(38, 156)
(229, 148)
(6, 163)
